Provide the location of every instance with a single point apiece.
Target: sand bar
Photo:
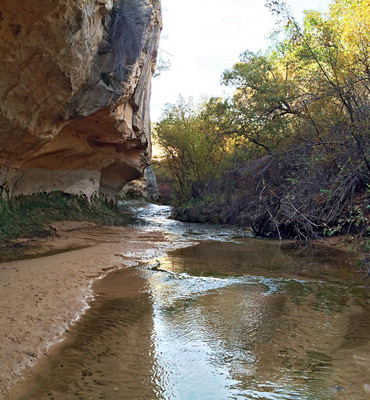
(41, 297)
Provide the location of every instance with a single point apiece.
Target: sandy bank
(41, 297)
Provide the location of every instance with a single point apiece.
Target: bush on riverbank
(30, 216)
(290, 154)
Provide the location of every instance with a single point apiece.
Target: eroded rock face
(74, 93)
(145, 187)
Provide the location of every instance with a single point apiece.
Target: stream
(232, 317)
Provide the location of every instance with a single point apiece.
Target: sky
(204, 37)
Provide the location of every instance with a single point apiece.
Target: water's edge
(212, 305)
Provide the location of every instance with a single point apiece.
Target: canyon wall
(146, 187)
(74, 94)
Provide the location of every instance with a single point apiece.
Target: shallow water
(234, 319)
(153, 217)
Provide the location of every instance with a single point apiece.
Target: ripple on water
(155, 217)
(215, 322)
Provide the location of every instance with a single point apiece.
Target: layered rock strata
(74, 94)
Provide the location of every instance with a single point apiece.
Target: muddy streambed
(229, 318)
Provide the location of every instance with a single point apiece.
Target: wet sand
(41, 297)
(108, 353)
(204, 323)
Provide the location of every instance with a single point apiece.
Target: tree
(193, 145)
(264, 99)
(302, 112)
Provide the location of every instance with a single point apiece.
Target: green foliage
(27, 216)
(313, 79)
(263, 99)
(293, 140)
(194, 146)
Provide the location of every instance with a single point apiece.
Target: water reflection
(232, 341)
(153, 217)
(248, 320)
(222, 333)
(108, 353)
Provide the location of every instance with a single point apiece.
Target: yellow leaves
(192, 145)
(352, 18)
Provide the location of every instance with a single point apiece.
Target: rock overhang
(74, 94)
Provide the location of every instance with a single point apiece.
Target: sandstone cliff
(146, 186)
(74, 93)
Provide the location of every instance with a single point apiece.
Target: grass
(30, 216)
